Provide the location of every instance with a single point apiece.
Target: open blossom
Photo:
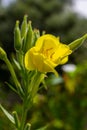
(47, 53)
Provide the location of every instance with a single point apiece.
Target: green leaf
(10, 86)
(13, 74)
(58, 124)
(17, 122)
(16, 64)
(44, 84)
(77, 43)
(28, 126)
(9, 116)
(43, 128)
(35, 82)
(3, 54)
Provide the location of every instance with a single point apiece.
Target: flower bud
(29, 36)
(77, 43)
(3, 54)
(36, 35)
(24, 27)
(17, 37)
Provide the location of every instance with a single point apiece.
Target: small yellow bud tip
(25, 17)
(36, 30)
(17, 23)
(43, 32)
(30, 22)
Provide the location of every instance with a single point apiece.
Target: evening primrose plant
(35, 56)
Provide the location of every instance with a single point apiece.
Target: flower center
(48, 53)
(48, 49)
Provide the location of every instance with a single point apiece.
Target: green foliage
(63, 109)
(58, 108)
(9, 116)
(51, 16)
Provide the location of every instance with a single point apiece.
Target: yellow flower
(47, 53)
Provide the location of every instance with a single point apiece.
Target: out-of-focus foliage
(63, 106)
(52, 16)
(44, 14)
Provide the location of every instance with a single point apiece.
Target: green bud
(77, 43)
(24, 27)
(3, 54)
(29, 36)
(36, 35)
(17, 37)
(43, 32)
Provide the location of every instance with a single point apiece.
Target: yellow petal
(49, 40)
(28, 60)
(61, 52)
(44, 65)
(52, 69)
(41, 63)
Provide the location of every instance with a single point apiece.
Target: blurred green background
(63, 106)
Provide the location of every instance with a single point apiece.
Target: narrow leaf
(17, 122)
(9, 116)
(36, 80)
(43, 128)
(44, 84)
(28, 126)
(16, 64)
(10, 86)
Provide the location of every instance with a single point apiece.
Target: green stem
(20, 58)
(24, 116)
(23, 120)
(35, 82)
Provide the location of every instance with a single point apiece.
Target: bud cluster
(24, 36)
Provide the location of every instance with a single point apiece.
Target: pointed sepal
(77, 43)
